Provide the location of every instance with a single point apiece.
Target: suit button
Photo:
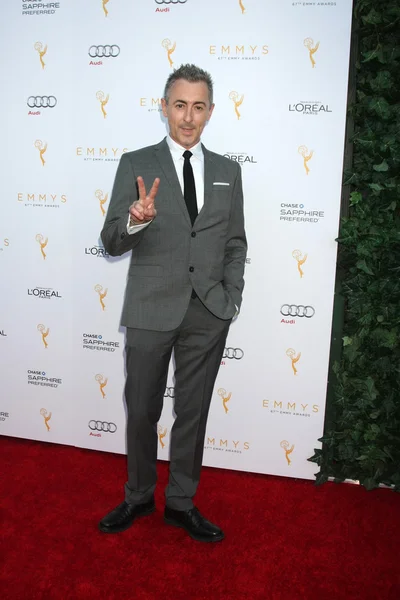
(193, 234)
(191, 269)
(122, 236)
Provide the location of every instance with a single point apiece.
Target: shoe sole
(125, 527)
(217, 538)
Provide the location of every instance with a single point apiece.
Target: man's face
(187, 111)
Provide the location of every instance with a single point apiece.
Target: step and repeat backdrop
(83, 86)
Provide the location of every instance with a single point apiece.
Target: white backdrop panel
(84, 86)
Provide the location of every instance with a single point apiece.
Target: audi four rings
(104, 51)
(171, 1)
(41, 101)
(233, 353)
(292, 310)
(169, 392)
(102, 426)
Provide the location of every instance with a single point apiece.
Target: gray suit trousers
(198, 344)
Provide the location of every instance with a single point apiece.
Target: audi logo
(169, 392)
(236, 353)
(294, 310)
(102, 426)
(104, 51)
(41, 101)
(170, 1)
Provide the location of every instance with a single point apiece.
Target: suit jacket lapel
(164, 157)
(208, 181)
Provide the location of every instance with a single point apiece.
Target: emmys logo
(43, 243)
(162, 432)
(103, 101)
(46, 416)
(106, 154)
(290, 408)
(102, 383)
(40, 200)
(41, 328)
(285, 446)
(298, 256)
(41, 51)
(225, 398)
(225, 445)
(170, 49)
(309, 43)
(6, 242)
(307, 156)
(234, 96)
(293, 358)
(102, 198)
(42, 149)
(232, 52)
(99, 289)
(152, 104)
(242, 8)
(104, 3)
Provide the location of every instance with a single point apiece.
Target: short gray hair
(192, 74)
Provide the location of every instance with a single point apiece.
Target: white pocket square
(220, 183)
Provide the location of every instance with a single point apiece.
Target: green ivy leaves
(362, 434)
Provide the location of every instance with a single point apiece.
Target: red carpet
(285, 539)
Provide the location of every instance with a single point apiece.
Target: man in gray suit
(179, 208)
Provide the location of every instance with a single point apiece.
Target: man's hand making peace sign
(143, 210)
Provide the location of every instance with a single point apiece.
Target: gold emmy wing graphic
(103, 101)
(44, 333)
(104, 3)
(46, 416)
(170, 48)
(162, 432)
(41, 51)
(242, 8)
(102, 199)
(234, 96)
(225, 398)
(293, 358)
(42, 149)
(298, 255)
(309, 43)
(303, 151)
(102, 383)
(285, 445)
(43, 243)
(99, 289)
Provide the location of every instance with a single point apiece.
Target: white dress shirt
(197, 162)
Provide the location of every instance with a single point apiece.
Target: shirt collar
(177, 150)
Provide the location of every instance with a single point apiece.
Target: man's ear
(164, 106)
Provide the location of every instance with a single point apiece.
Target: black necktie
(189, 187)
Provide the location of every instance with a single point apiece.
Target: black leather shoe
(194, 523)
(122, 517)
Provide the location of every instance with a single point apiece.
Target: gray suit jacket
(169, 256)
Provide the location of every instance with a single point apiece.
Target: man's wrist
(132, 222)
